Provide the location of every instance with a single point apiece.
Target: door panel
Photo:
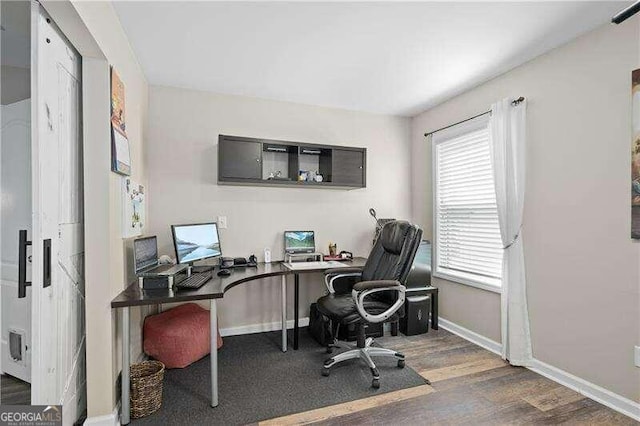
(240, 159)
(14, 216)
(59, 348)
(348, 167)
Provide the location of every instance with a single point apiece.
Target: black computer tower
(417, 309)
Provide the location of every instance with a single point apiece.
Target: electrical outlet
(636, 356)
(222, 222)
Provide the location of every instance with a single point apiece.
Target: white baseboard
(597, 393)
(112, 419)
(472, 336)
(260, 328)
(590, 390)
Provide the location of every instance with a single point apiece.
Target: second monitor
(195, 242)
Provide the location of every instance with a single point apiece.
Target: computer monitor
(196, 242)
(145, 253)
(420, 274)
(299, 242)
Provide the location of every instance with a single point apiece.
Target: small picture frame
(120, 153)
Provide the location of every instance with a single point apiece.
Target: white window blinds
(468, 245)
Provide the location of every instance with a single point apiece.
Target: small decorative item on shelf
(276, 176)
(332, 249)
(311, 176)
(318, 177)
(302, 176)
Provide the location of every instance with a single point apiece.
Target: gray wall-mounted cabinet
(243, 159)
(348, 167)
(251, 161)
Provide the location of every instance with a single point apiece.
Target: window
(468, 248)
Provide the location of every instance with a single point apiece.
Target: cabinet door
(238, 159)
(348, 167)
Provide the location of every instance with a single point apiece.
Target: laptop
(145, 259)
(296, 242)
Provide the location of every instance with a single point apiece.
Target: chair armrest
(331, 275)
(365, 288)
(366, 285)
(349, 269)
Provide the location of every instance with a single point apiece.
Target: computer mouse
(224, 273)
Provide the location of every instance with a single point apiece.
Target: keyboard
(195, 280)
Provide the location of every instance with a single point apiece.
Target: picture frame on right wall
(635, 155)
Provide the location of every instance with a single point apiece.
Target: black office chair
(376, 297)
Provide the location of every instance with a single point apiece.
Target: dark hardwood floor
(14, 391)
(470, 385)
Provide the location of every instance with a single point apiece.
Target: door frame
(38, 393)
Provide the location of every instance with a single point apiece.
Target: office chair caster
(401, 363)
(375, 383)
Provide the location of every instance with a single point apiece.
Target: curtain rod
(514, 103)
(625, 14)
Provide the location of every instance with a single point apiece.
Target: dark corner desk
(212, 290)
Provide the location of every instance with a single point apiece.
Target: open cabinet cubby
(252, 161)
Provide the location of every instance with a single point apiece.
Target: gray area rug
(257, 381)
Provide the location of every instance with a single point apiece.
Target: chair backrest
(392, 255)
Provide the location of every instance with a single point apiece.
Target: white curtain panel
(508, 156)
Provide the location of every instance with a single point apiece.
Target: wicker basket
(146, 388)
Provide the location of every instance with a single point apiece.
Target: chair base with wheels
(364, 350)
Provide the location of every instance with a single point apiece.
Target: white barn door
(59, 374)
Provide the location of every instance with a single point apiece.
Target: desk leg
(213, 323)
(434, 310)
(296, 308)
(283, 292)
(124, 393)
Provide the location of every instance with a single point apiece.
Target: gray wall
(583, 269)
(16, 84)
(15, 40)
(182, 172)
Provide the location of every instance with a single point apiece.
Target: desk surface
(214, 288)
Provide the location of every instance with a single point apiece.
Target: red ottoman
(179, 336)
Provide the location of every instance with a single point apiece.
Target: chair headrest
(393, 235)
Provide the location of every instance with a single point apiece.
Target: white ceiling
(391, 58)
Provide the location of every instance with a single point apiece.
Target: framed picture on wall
(120, 154)
(133, 208)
